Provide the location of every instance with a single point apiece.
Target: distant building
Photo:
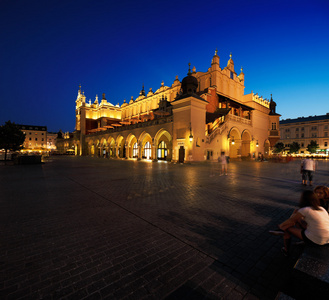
(304, 130)
(37, 139)
(51, 141)
(192, 120)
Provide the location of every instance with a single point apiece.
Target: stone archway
(121, 149)
(245, 144)
(234, 143)
(163, 145)
(111, 148)
(267, 146)
(132, 147)
(146, 146)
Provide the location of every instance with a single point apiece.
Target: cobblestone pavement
(92, 228)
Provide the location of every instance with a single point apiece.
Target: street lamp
(191, 136)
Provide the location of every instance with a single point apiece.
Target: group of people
(310, 222)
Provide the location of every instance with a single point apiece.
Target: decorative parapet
(260, 100)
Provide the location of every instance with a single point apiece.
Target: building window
(30, 139)
(273, 126)
(325, 126)
(135, 150)
(297, 135)
(302, 144)
(147, 150)
(302, 135)
(314, 134)
(313, 128)
(326, 134)
(287, 130)
(326, 144)
(231, 75)
(36, 139)
(297, 129)
(302, 129)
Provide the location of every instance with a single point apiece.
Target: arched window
(147, 151)
(135, 150)
(162, 151)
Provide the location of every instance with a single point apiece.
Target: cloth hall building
(193, 120)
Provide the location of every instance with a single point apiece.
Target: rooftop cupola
(272, 107)
(215, 59)
(142, 92)
(189, 83)
(241, 75)
(230, 64)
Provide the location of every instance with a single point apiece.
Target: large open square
(94, 228)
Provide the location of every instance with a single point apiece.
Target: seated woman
(323, 194)
(316, 218)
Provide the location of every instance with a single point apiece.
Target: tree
(294, 147)
(312, 146)
(11, 137)
(278, 147)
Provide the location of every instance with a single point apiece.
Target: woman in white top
(316, 218)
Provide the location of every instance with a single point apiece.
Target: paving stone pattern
(93, 228)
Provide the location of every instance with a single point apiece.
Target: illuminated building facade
(37, 139)
(304, 130)
(192, 120)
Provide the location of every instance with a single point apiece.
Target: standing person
(316, 217)
(307, 170)
(223, 161)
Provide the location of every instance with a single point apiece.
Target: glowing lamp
(191, 136)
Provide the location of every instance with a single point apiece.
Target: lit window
(162, 151)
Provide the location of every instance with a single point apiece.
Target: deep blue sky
(49, 47)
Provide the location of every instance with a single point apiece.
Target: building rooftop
(305, 119)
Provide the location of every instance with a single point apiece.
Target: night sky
(50, 47)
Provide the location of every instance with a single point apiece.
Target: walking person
(223, 160)
(307, 170)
